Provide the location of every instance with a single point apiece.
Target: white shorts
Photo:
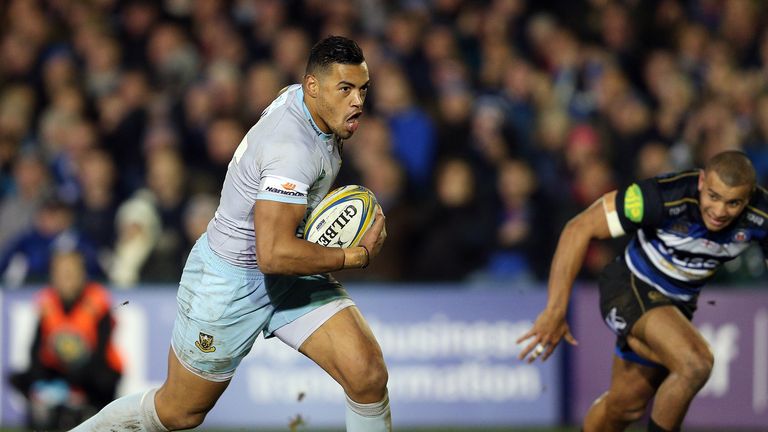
(222, 308)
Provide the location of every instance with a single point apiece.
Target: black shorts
(624, 298)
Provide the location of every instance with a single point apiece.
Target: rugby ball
(342, 217)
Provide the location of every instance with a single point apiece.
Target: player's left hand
(547, 332)
(373, 239)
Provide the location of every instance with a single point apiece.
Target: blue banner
(451, 355)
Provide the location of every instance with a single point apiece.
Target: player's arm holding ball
(279, 251)
(373, 239)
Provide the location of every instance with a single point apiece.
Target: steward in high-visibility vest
(70, 336)
(73, 363)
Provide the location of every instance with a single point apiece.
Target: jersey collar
(323, 136)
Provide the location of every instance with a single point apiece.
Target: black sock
(653, 427)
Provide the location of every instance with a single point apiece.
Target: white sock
(133, 412)
(372, 417)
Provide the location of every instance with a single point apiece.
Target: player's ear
(701, 179)
(311, 85)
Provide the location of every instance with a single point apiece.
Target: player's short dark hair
(733, 167)
(334, 49)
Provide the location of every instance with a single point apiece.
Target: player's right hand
(548, 330)
(374, 237)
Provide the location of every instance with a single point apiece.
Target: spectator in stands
(262, 82)
(96, 209)
(167, 188)
(522, 236)
(30, 187)
(222, 138)
(27, 257)
(497, 79)
(460, 227)
(74, 366)
(413, 134)
(198, 212)
(138, 230)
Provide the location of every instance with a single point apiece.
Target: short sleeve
(287, 173)
(640, 205)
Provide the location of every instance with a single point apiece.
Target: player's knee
(180, 420)
(698, 367)
(368, 378)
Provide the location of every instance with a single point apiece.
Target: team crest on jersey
(205, 343)
(741, 236)
(633, 203)
(615, 321)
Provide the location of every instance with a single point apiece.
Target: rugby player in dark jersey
(684, 226)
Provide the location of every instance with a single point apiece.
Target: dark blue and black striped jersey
(672, 248)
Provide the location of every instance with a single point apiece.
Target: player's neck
(310, 110)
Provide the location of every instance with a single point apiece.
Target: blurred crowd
(489, 122)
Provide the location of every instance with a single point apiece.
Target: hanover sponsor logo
(284, 192)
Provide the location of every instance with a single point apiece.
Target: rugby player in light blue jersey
(252, 272)
(685, 226)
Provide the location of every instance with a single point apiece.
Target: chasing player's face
(720, 204)
(341, 92)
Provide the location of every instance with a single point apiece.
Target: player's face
(341, 92)
(720, 204)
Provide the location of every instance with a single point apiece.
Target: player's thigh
(184, 393)
(672, 338)
(220, 311)
(633, 385)
(318, 318)
(346, 348)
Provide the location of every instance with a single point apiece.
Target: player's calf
(653, 427)
(621, 410)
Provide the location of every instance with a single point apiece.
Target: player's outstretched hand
(548, 330)
(373, 239)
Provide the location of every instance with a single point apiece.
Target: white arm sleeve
(614, 224)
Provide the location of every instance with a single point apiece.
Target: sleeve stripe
(614, 224)
(269, 196)
(758, 211)
(677, 177)
(680, 201)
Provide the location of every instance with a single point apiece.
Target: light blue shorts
(221, 308)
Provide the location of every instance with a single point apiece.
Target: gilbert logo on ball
(342, 217)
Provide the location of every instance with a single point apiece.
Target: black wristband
(367, 256)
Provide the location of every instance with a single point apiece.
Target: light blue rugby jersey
(283, 157)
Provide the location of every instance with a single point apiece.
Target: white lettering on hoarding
(440, 337)
(760, 376)
(435, 338)
(723, 341)
(466, 382)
